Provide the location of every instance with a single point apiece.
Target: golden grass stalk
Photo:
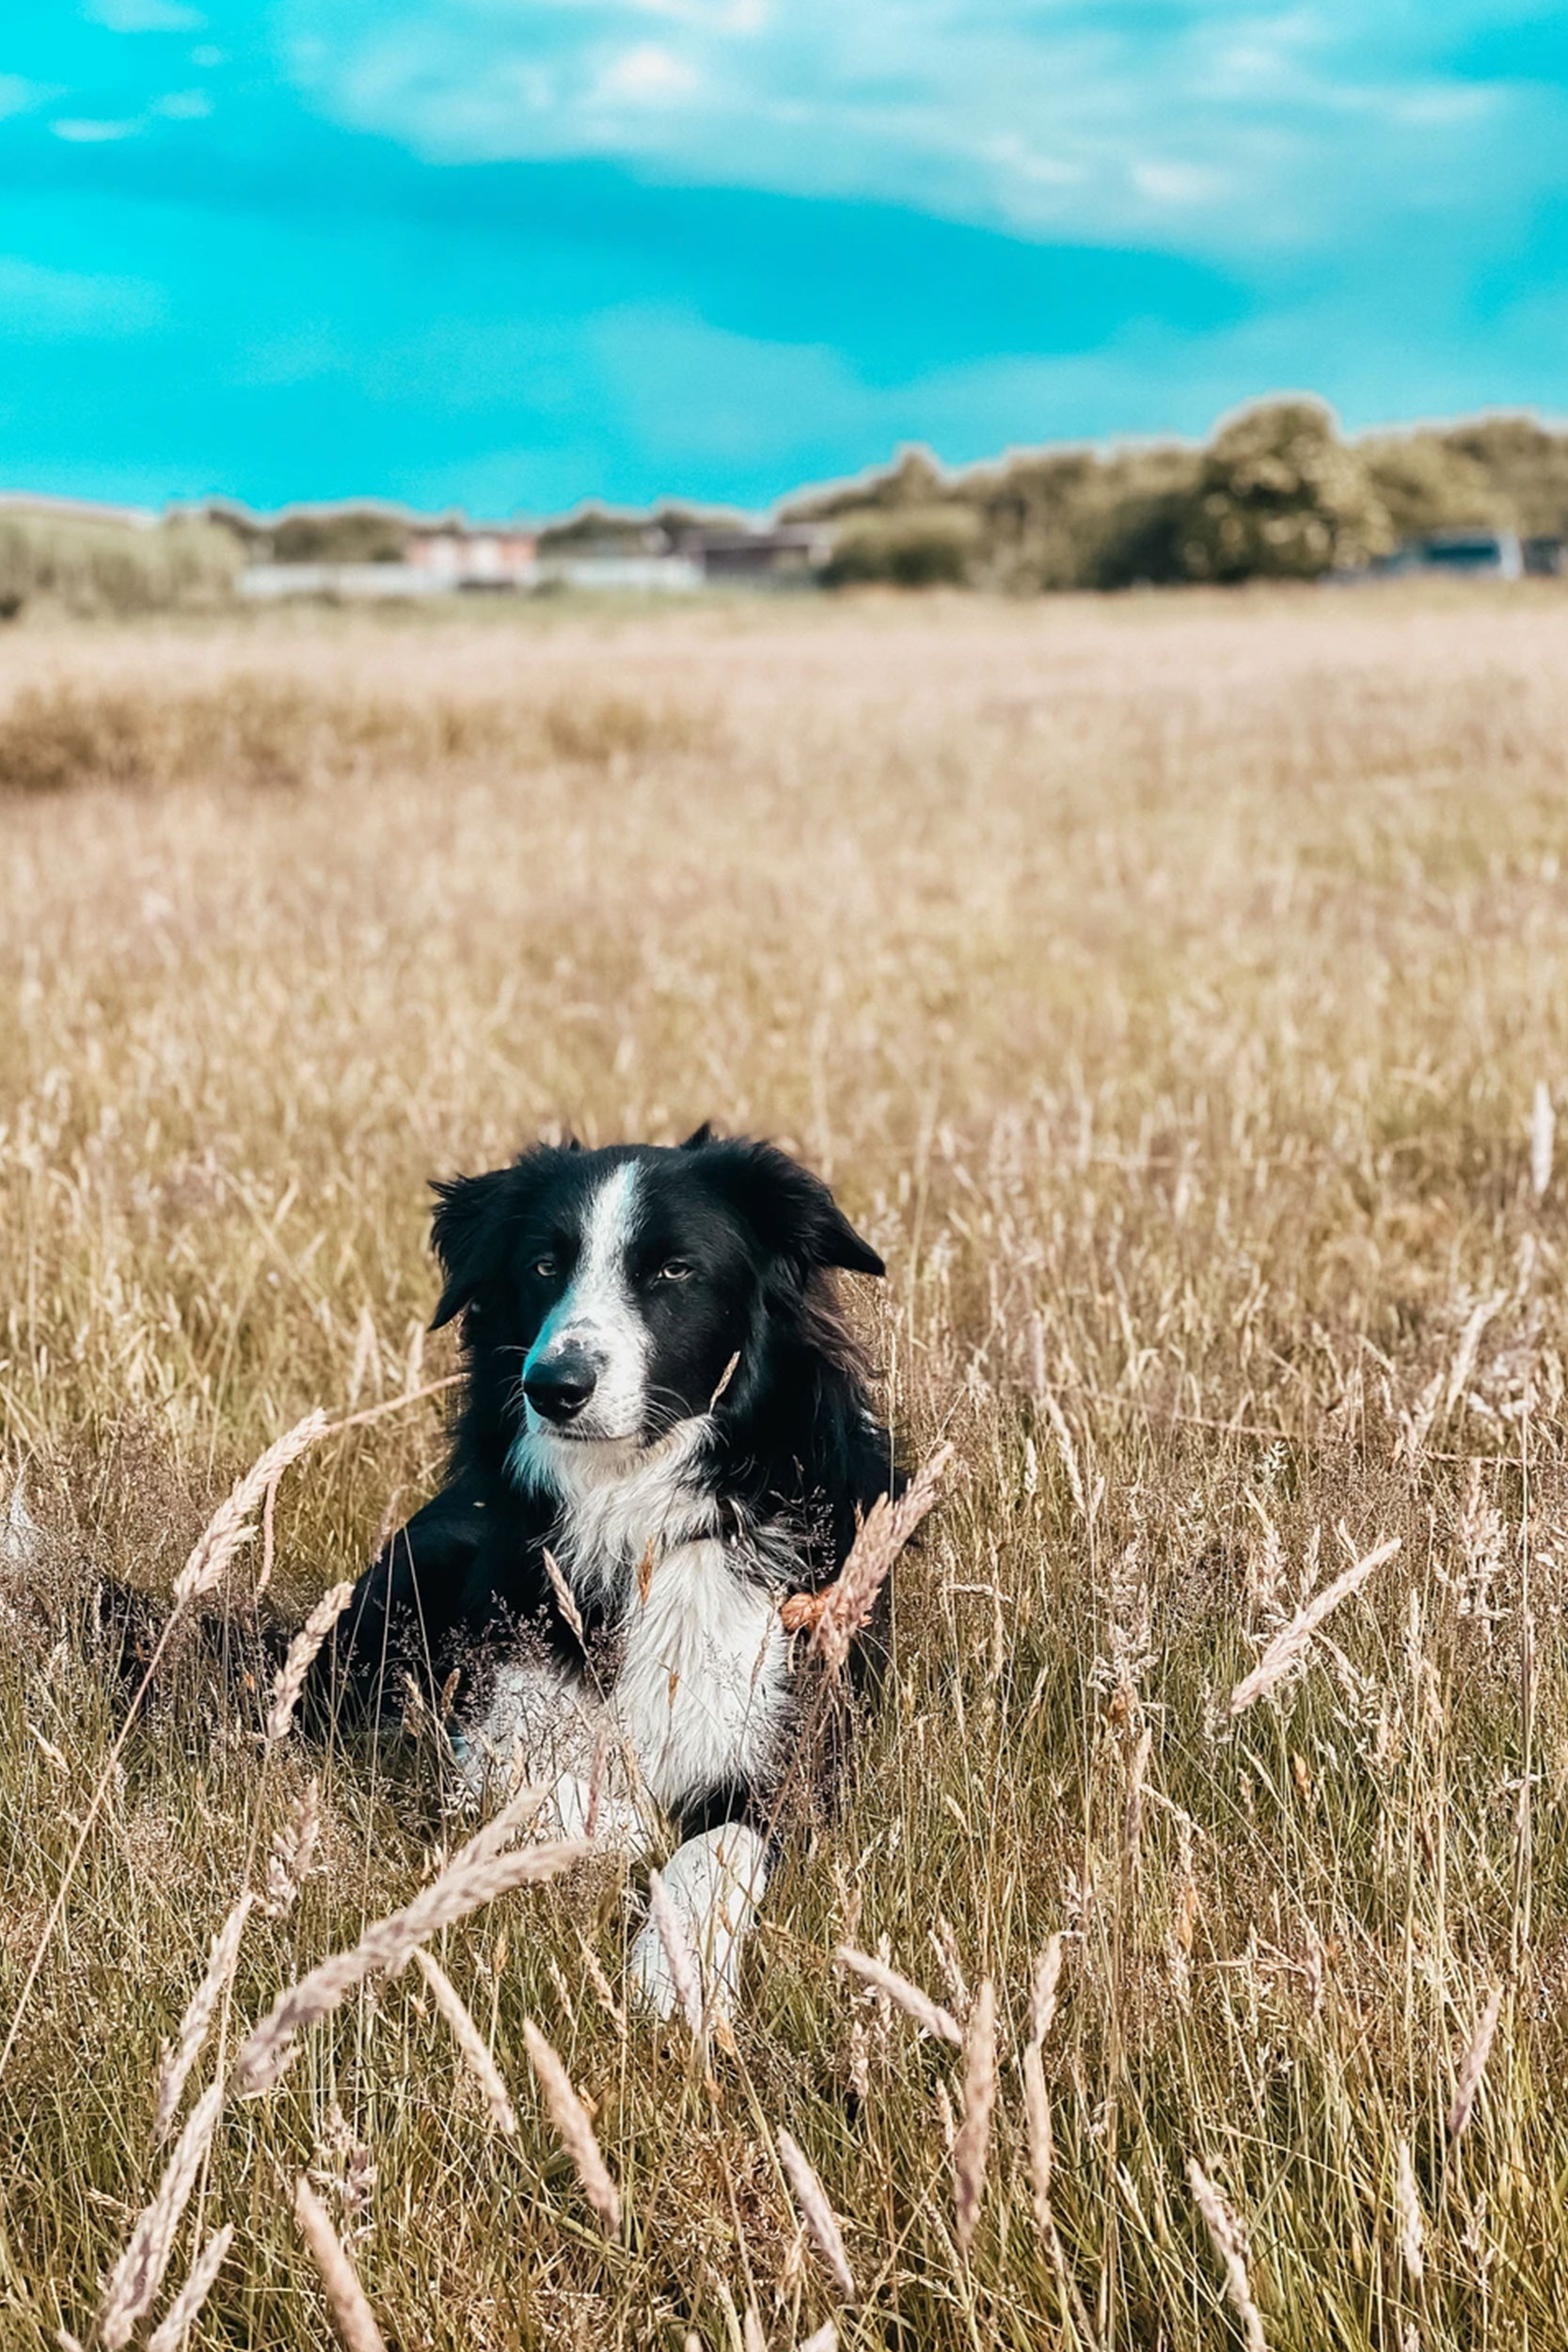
(471, 2042)
(1407, 2206)
(818, 2216)
(1464, 1355)
(1290, 1645)
(230, 1524)
(1543, 1134)
(178, 2059)
(1037, 2116)
(1473, 2066)
(564, 1599)
(886, 1528)
(386, 1946)
(573, 2128)
(496, 1832)
(823, 2339)
(1133, 1818)
(301, 1652)
(351, 2315)
(1070, 1452)
(1042, 1991)
(1229, 2244)
(175, 2326)
(972, 2148)
(902, 1994)
(604, 1990)
(135, 2278)
(294, 1851)
(229, 1528)
(675, 1944)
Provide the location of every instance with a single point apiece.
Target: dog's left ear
(464, 1234)
(791, 1210)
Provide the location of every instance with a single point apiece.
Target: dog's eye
(543, 1267)
(674, 1270)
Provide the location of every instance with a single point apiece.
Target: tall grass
(1167, 990)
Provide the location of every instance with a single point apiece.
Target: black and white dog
(665, 1432)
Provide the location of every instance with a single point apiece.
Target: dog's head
(618, 1293)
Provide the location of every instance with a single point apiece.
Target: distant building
(790, 554)
(434, 564)
(1476, 554)
(655, 575)
(596, 553)
(352, 583)
(476, 559)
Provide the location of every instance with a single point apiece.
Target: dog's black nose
(560, 1386)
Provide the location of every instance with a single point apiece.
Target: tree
(1280, 496)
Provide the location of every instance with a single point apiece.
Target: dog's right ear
(466, 1232)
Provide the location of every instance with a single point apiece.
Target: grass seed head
(135, 2278)
(927, 2013)
(1473, 2065)
(302, 1653)
(972, 2147)
(818, 2216)
(472, 1881)
(574, 2128)
(178, 2059)
(471, 2042)
(175, 2326)
(351, 2315)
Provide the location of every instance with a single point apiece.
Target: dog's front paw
(713, 1883)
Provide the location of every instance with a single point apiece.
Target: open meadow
(1176, 991)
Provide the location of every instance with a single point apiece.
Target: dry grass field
(1167, 987)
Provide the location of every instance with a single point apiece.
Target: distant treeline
(1278, 493)
(86, 563)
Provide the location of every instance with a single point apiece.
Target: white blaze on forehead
(598, 1314)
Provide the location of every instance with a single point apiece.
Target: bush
(921, 546)
(1281, 497)
(105, 566)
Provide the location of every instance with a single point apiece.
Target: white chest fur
(700, 1697)
(703, 1692)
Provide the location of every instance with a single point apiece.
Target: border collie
(665, 1432)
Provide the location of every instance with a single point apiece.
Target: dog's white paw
(715, 1882)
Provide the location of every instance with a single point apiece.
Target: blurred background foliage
(1278, 493)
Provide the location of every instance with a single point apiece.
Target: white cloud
(1236, 125)
(1179, 184)
(744, 17)
(52, 302)
(84, 130)
(646, 75)
(16, 95)
(145, 16)
(184, 106)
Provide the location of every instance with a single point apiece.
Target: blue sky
(513, 253)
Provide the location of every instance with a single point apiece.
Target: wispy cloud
(1099, 117)
(92, 131)
(646, 75)
(55, 302)
(145, 16)
(17, 95)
